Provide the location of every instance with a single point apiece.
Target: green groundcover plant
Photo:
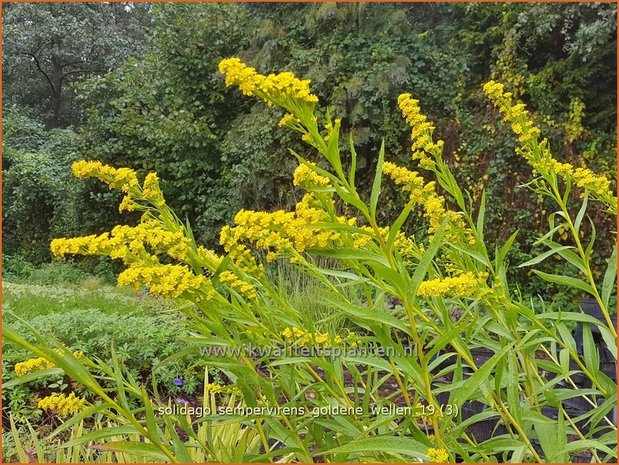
(400, 379)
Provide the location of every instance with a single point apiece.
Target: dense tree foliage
(49, 47)
(166, 108)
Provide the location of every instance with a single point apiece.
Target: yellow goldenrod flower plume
(467, 284)
(437, 455)
(421, 135)
(276, 89)
(62, 404)
(537, 153)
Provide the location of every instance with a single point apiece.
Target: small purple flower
(178, 382)
(180, 400)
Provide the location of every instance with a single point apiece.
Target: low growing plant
(427, 305)
(144, 344)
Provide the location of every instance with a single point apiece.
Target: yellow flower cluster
(407, 247)
(286, 84)
(208, 256)
(37, 364)
(62, 404)
(279, 231)
(467, 284)
(270, 231)
(425, 195)
(582, 177)
(437, 455)
(86, 245)
(167, 281)
(126, 243)
(288, 120)
(274, 88)
(302, 337)
(238, 73)
(124, 179)
(231, 238)
(537, 153)
(305, 176)
(128, 204)
(219, 389)
(34, 364)
(233, 281)
(410, 181)
(494, 90)
(595, 183)
(403, 244)
(151, 190)
(139, 246)
(422, 131)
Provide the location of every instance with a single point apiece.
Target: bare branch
(40, 68)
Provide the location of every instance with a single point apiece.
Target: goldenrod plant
(413, 312)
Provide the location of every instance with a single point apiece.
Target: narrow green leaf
(377, 181)
(584, 444)
(353, 161)
(118, 378)
(99, 434)
(609, 340)
(564, 359)
(155, 433)
(478, 417)
(505, 248)
(567, 255)
(140, 449)
(333, 149)
(364, 317)
(354, 254)
(536, 417)
(570, 316)
(500, 444)
(543, 256)
(547, 437)
(471, 253)
(603, 410)
(384, 444)
(519, 454)
(75, 419)
(581, 212)
(550, 233)
(477, 378)
(426, 259)
(65, 361)
(566, 336)
(610, 278)
(21, 453)
(513, 384)
(32, 377)
(592, 236)
(480, 215)
(397, 225)
(180, 450)
(591, 356)
(564, 281)
(38, 445)
(501, 255)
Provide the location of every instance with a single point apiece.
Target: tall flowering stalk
(549, 172)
